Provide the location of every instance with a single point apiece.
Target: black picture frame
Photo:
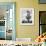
(42, 1)
(40, 14)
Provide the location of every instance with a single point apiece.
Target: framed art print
(27, 16)
(42, 22)
(42, 1)
(7, 21)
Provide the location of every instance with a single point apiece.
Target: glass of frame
(42, 1)
(27, 16)
(7, 21)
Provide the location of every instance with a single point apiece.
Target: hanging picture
(42, 1)
(7, 20)
(27, 16)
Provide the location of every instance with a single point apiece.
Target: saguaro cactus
(28, 17)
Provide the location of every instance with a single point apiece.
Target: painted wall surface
(27, 31)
